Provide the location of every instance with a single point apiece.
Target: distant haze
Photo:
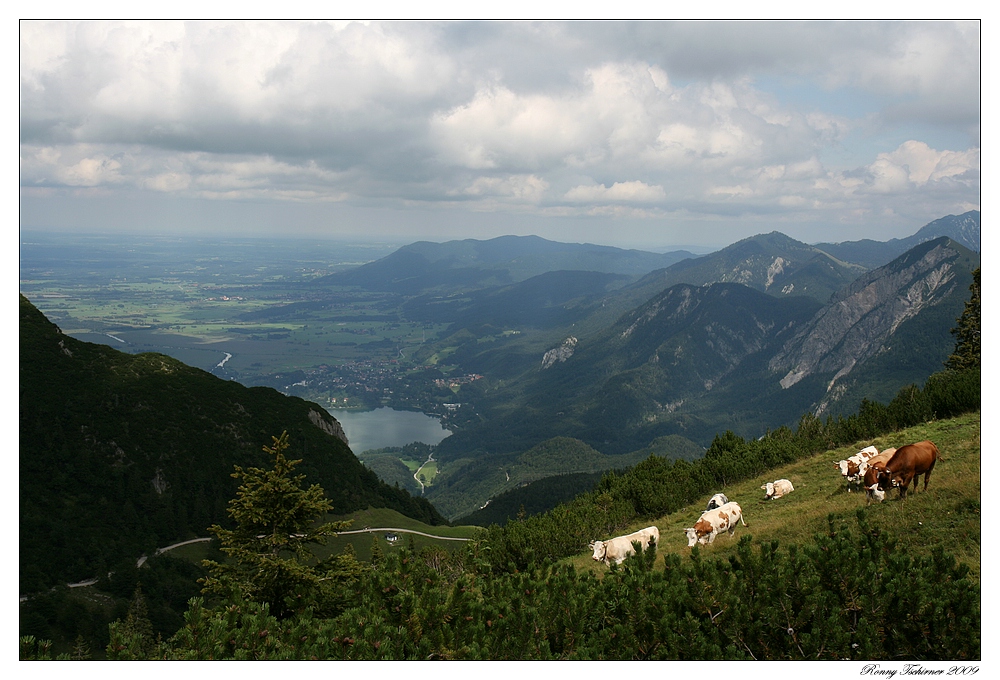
(649, 135)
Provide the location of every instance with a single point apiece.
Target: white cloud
(541, 118)
(517, 188)
(634, 191)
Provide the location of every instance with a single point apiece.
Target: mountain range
(697, 358)
(963, 229)
(590, 352)
(473, 264)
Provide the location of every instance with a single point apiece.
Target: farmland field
(245, 310)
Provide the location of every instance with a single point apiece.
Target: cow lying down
(716, 501)
(777, 489)
(714, 522)
(617, 549)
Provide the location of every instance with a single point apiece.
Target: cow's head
(842, 466)
(876, 493)
(768, 490)
(600, 550)
(886, 480)
(692, 536)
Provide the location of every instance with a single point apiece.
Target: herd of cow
(876, 472)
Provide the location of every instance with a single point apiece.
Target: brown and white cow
(850, 467)
(872, 489)
(907, 464)
(617, 549)
(777, 489)
(714, 522)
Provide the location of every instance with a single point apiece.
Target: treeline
(658, 486)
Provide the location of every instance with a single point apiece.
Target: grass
(947, 514)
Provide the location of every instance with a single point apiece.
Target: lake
(387, 427)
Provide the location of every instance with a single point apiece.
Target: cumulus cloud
(617, 119)
(638, 192)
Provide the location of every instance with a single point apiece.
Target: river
(387, 427)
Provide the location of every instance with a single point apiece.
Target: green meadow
(946, 515)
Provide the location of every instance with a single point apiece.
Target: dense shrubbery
(848, 595)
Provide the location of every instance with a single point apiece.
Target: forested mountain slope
(895, 320)
(122, 453)
(696, 360)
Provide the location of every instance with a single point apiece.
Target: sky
(644, 134)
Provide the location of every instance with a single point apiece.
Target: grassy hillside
(947, 515)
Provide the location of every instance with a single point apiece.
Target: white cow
(617, 549)
(777, 489)
(714, 522)
(716, 501)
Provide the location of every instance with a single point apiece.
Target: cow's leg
(927, 476)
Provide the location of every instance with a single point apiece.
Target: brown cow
(907, 464)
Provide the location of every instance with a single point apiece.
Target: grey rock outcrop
(331, 427)
(560, 353)
(862, 318)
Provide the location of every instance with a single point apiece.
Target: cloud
(631, 120)
(634, 191)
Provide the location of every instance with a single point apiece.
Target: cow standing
(617, 549)
(850, 468)
(880, 458)
(714, 522)
(907, 464)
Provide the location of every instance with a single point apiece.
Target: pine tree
(81, 650)
(276, 523)
(967, 335)
(132, 639)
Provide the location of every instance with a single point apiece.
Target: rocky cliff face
(560, 353)
(332, 426)
(862, 318)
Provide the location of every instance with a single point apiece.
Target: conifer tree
(967, 335)
(133, 638)
(276, 523)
